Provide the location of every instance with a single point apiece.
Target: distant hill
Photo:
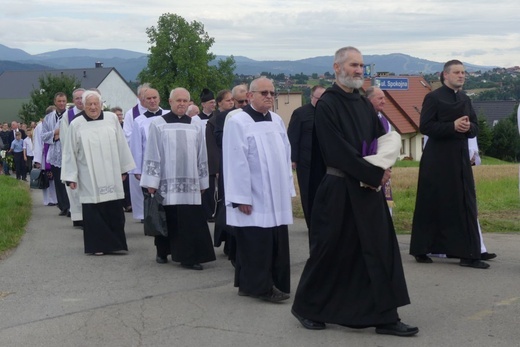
(130, 63)
(6, 65)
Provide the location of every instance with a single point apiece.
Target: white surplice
(136, 194)
(76, 212)
(95, 157)
(257, 171)
(175, 161)
(49, 194)
(137, 144)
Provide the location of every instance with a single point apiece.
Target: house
(16, 87)
(286, 103)
(495, 110)
(403, 111)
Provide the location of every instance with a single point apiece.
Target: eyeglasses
(265, 93)
(315, 97)
(241, 101)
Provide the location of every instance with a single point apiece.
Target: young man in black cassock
(445, 216)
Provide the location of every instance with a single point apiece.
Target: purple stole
(387, 188)
(385, 123)
(135, 111)
(71, 114)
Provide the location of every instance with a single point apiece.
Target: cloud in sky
(477, 31)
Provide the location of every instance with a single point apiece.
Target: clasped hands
(462, 124)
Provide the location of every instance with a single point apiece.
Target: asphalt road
(52, 294)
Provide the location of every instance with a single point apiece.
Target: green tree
(485, 134)
(43, 96)
(506, 141)
(180, 57)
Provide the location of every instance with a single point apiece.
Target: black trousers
(61, 192)
(262, 259)
(19, 165)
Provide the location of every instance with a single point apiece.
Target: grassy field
(498, 198)
(15, 211)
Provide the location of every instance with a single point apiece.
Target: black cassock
(354, 275)
(445, 217)
(299, 132)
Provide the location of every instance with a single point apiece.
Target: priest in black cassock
(300, 137)
(354, 275)
(445, 216)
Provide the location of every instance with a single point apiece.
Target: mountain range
(130, 63)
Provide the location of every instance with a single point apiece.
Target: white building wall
(115, 92)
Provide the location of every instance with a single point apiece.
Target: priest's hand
(137, 177)
(152, 190)
(247, 209)
(462, 124)
(294, 165)
(73, 185)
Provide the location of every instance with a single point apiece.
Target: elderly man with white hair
(95, 162)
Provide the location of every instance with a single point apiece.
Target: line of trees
(501, 141)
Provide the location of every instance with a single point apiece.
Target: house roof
(403, 107)
(20, 84)
(495, 110)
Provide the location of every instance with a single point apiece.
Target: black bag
(154, 215)
(39, 179)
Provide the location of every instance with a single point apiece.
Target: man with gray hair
(377, 97)
(258, 186)
(175, 165)
(96, 160)
(354, 275)
(192, 110)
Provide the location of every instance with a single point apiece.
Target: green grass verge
(498, 198)
(15, 211)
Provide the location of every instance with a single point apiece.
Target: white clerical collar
(264, 114)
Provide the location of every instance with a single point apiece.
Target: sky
(480, 32)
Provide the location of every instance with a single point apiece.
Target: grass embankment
(15, 211)
(498, 198)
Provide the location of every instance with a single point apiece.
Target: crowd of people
(231, 161)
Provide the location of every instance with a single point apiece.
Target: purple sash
(71, 114)
(46, 166)
(135, 111)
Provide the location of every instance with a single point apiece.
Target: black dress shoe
(397, 329)
(423, 258)
(63, 213)
(309, 323)
(274, 295)
(487, 256)
(192, 266)
(77, 223)
(474, 263)
(161, 260)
